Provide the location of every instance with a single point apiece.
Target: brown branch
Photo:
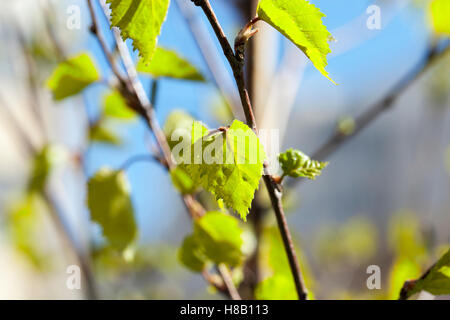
(134, 92)
(207, 50)
(236, 61)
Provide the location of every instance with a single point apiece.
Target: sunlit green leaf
(167, 63)
(221, 237)
(280, 281)
(72, 76)
(110, 206)
(101, 133)
(301, 22)
(295, 163)
(24, 226)
(276, 287)
(115, 106)
(43, 162)
(229, 164)
(141, 21)
(182, 181)
(191, 254)
(177, 127)
(217, 238)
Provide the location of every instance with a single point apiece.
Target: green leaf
(42, 165)
(191, 254)
(72, 76)
(229, 164)
(178, 125)
(115, 106)
(437, 280)
(182, 181)
(440, 13)
(25, 229)
(221, 238)
(295, 163)
(402, 270)
(167, 63)
(276, 287)
(110, 206)
(301, 22)
(101, 133)
(217, 238)
(141, 21)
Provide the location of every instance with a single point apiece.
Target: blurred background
(383, 200)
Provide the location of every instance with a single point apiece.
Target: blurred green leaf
(277, 287)
(440, 13)
(402, 270)
(182, 181)
(217, 238)
(43, 162)
(406, 238)
(191, 254)
(301, 22)
(178, 125)
(109, 202)
(295, 163)
(352, 243)
(221, 238)
(167, 63)
(115, 106)
(72, 76)
(101, 133)
(140, 21)
(280, 281)
(24, 227)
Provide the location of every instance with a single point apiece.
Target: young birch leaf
(191, 254)
(437, 280)
(167, 63)
(217, 238)
(141, 21)
(295, 163)
(301, 22)
(109, 202)
(72, 76)
(229, 164)
(221, 238)
(115, 106)
(440, 13)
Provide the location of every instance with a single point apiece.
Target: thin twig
(95, 29)
(236, 61)
(202, 38)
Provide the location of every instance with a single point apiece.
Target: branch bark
(236, 61)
